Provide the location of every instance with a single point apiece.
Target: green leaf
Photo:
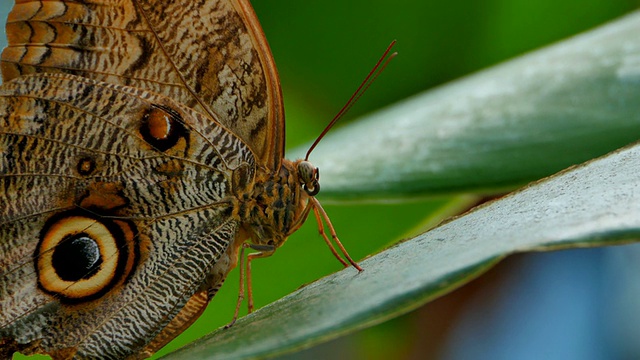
(590, 205)
(502, 127)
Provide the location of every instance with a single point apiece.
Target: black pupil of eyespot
(76, 257)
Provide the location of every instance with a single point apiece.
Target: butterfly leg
(263, 251)
(321, 215)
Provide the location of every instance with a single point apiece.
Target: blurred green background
(323, 49)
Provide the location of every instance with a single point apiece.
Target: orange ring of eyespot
(116, 249)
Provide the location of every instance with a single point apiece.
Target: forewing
(79, 155)
(210, 55)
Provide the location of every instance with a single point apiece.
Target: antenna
(364, 86)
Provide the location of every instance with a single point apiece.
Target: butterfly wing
(209, 55)
(117, 203)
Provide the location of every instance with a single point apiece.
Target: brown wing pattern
(76, 158)
(210, 55)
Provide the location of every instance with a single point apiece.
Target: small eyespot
(86, 166)
(162, 127)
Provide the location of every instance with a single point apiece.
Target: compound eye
(306, 172)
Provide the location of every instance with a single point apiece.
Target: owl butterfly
(141, 148)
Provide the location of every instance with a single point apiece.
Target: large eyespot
(309, 177)
(81, 257)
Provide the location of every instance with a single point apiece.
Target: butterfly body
(141, 151)
(174, 209)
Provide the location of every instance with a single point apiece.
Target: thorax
(274, 207)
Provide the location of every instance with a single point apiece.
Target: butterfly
(141, 152)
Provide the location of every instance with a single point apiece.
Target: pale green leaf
(590, 205)
(502, 127)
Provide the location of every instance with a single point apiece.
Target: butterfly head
(301, 179)
(309, 177)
